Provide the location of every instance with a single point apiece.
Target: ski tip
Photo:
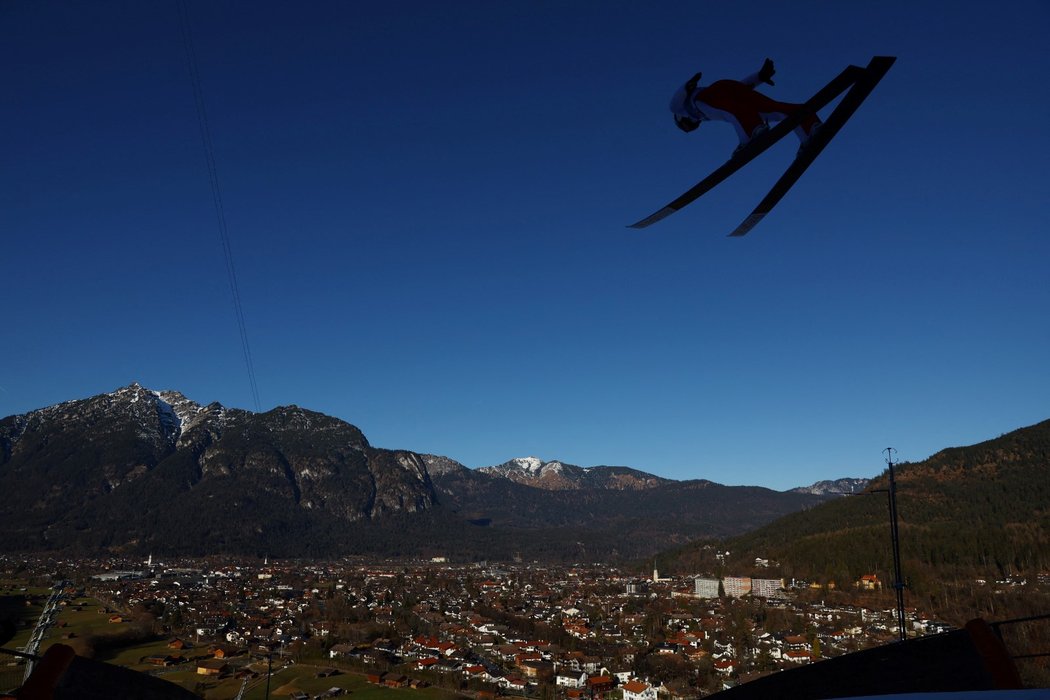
(662, 214)
(748, 224)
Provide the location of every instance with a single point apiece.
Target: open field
(304, 679)
(22, 605)
(294, 679)
(84, 620)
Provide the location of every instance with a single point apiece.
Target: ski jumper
(737, 102)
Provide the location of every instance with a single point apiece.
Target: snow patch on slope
(532, 465)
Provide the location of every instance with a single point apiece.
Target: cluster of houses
(514, 667)
(581, 630)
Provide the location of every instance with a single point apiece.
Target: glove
(691, 84)
(767, 71)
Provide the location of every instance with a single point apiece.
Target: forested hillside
(966, 513)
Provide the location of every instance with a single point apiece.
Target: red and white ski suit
(737, 102)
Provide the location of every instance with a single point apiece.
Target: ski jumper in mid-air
(736, 102)
(749, 111)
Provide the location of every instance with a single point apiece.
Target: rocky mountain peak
(136, 464)
(440, 466)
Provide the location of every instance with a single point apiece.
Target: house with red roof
(725, 667)
(798, 656)
(601, 684)
(637, 690)
(869, 582)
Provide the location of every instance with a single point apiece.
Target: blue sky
(427, 207)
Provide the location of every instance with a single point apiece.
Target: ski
(758, 145)
(876, 69)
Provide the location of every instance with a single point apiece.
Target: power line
(898, 583)
(216, 193)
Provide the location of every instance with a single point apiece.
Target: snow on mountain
(530, 465)
(560, 476)
(524, 468)
(841, 487)
(556, 467)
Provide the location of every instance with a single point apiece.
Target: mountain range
(137, 470)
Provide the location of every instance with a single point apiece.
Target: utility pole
(269, 671)
(898, 583)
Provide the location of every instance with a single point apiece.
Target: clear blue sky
(427, 207)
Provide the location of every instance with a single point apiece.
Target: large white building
(736, 586)
(767, 587)
(706, 587)
(571, 679)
